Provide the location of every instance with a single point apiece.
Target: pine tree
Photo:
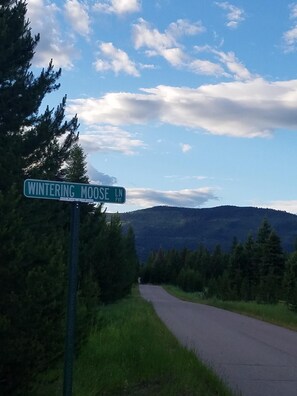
(159, 266)
(32, 233)
(271, 262)
(263, 232)
(202, 263)
(217, 263)
(252, 266)
(131, 265)
(237, 271)
(290, 281)
(109, 269)
(30, 142)
(76, 170)
(189, 280)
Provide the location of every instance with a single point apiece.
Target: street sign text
(67, 191)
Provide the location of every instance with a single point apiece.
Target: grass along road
(278, 314)
(131, 352)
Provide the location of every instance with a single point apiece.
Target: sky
(187, 103)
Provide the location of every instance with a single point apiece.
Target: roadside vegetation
(39, 142)
(278, 314)
(131, 352)
(256, 277)
(255, 271)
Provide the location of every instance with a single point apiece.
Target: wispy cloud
(290, 39)
(78, 16)
(157, 43)
(119, 7)
(183, 27)
(52, 45)
(290, 36)
(97, 177)
(289, 206)
(240, 109)
(293, 10)
(185, 147)
(207, 68)
(178, 177)
(109, 139)
(116, 60)
(233, 65)
(226, 65)
(235, 15)
(168, 46)
(185, 198)
(164, 44)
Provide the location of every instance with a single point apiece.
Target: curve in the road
(253, 357)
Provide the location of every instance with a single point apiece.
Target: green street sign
(67, 191)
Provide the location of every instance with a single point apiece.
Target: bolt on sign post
(74, 193)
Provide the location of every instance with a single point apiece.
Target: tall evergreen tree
(76, 169)
(290, 281)
(252, 267)
(110, 276)
(32, 233)
(30, 141)
(131, 266)
(237, 271)
(271, 264)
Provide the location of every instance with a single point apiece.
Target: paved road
(255, 358)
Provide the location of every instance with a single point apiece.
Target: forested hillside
(256, 269)
(170, 227)
(34, 234)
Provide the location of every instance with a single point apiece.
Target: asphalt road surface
(253, 357)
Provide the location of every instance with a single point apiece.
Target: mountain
(172, 227)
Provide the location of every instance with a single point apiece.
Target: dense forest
(176, 227)
(34, 234)
(257, 269)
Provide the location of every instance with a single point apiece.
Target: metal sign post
(73, 193)
(71, 300)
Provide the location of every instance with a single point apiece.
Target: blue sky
(187, 103)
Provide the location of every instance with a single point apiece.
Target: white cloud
(293, 10)
(115, 60)
(178, 177)
(186, 198)
(164, 44)
(290, 39)
(77, 14)
(235, 15)
(147, 66)
(97, 177)
(109, 139)
(287, 206)
(241, 109)
(145, 36)
(228, 66)
(174, 56)
(239, 71)
(118, 6)
(185, 147)
(290, 36)
(52, 44)
(207, 68)
(115, 109)
(183, 27)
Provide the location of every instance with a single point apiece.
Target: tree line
(254, 270)
(34, 234)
